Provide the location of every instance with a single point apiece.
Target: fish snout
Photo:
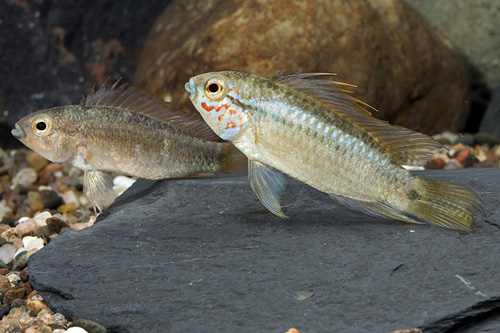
(18, 131)
(190, 86)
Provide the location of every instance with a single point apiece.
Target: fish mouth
(18, 131)
(190, 87)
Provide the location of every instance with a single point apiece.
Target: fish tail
(444, 204)
(233, 159)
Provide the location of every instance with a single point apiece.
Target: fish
(124, 130)
(311, 128)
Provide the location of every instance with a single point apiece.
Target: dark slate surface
(204, 255)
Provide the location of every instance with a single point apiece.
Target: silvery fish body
(312, 130)
(125, 131)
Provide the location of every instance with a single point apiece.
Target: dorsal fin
(407, 147)
(135, 100)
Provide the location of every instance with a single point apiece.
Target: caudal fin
(446, 204)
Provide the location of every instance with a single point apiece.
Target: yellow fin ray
(447, 205)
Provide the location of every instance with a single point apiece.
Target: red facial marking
(230, 124)
(220, 107)
(206, 107)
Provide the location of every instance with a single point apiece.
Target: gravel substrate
(42, 200)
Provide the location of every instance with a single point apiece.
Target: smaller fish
(312, 130)
(125, 131)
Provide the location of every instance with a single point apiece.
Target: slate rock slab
(204, 255)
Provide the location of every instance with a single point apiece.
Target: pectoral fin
(98, 187)
(268, 184)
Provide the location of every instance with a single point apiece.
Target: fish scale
(312, 130)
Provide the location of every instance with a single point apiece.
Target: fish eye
(215, 88)
(42, 126)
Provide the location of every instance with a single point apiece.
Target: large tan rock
(401, 65)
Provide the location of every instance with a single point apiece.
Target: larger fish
(312, 130)
(123, 130)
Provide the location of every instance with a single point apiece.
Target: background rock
(491, 121)
(205, 255)
(473, 27)
(52, 52)
(401, 65)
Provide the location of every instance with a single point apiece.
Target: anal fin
(374, 208)
(98, 187)
(268, 184)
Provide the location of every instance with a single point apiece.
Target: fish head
(40, 132)
(216, 97)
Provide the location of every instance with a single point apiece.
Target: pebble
(36, 305)
(59, 319)
(13, 278)
(39, 329)
(76, 329)
(89, 326)
(10, 235)
(20, 261)
(70, 197)
(4, 209)
(41, 218)
(24, 178)
(4, 283)
(56, 224)
(453, 164)
(66, 208)
(50, 199)
(14, 293)
(34, 200)
(122, 183)
(27, 226)
(31, 243)
(36, 161)
(7, 253)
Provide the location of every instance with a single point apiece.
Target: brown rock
(55, 224)
(462, 155)
(14, 293)
(34, 200)
(50, 199)
(66, 208)
(401, 65)
(4, 283)
(36, 161)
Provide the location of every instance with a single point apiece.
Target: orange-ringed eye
(41, 126)
(213, 87)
